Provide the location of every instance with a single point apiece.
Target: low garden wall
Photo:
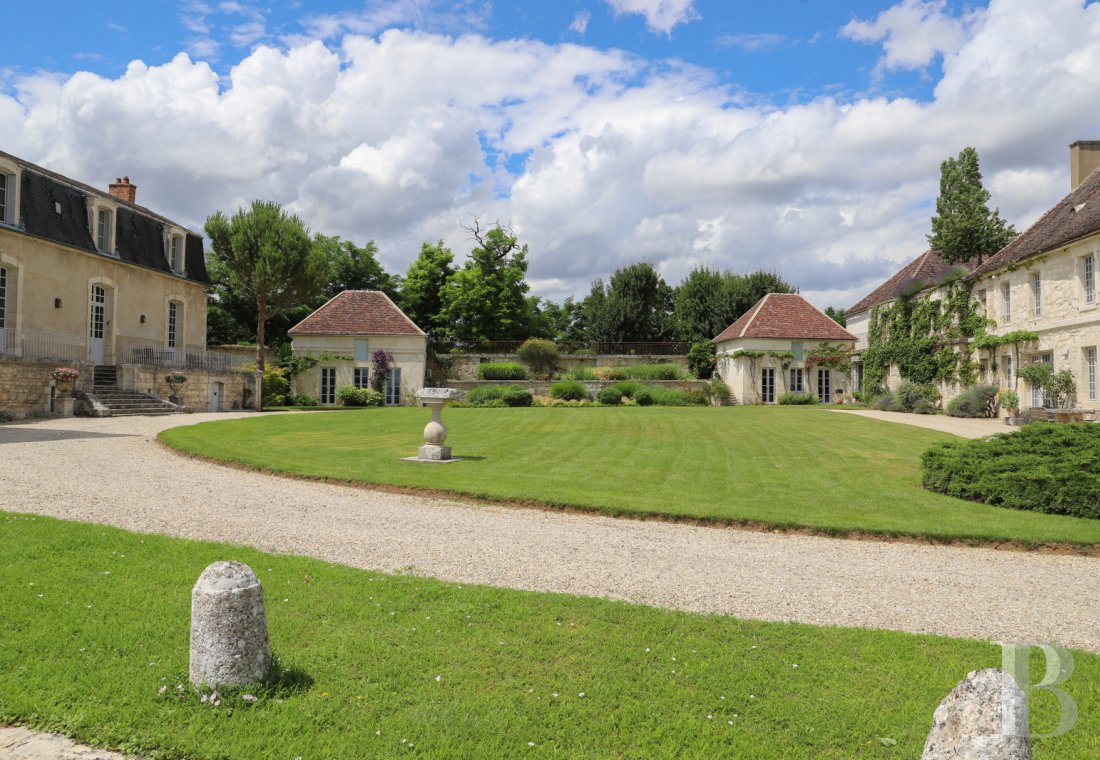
(542, 387)
(464, 366)
(27, 386)
(196, 393)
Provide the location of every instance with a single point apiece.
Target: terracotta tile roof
(926, 268)
(357, 312)
(784, 315)
(1074, 217)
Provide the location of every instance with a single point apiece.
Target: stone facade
(745, 376)
(409, 355)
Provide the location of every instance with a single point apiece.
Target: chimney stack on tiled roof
(123, 190)
(1084, 159)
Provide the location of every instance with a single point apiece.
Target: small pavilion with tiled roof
(346, 333)
(764, 353)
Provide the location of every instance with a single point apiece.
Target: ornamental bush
(501, 371)
(643, 397)
(701, 359)
(975, 401)
(793, 398)
(304, 399)
(539, 354)
(668, 396)
(908, 397)
(719, 393)
(350, 395)
(611, 396)
(1044, 468)
(569, 390)
(499, 395)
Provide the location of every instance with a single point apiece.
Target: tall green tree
(353, 267)
(640, 304)
(964, 227)
(487, 298)
(268, 258)
(707, 302)
(421, 296)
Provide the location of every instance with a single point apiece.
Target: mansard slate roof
(138, 231)
(926, 268)
(357, 312)
(1074, 217)
(784, 316)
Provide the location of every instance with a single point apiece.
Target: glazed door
(97, 323)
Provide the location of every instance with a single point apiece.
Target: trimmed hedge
(793, 398)
(1043, 468)
(569, 390)
(501, 371)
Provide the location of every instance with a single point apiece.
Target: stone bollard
(983, 718)
(228, 627)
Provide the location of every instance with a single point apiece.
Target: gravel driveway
(112, 471)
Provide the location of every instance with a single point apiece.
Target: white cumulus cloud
(596, 158)
(913, 33)
(660, 15)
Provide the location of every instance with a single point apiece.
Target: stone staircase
(126, 403)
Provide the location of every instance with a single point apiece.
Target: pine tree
(964, 227)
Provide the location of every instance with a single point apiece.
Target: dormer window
(101, 214)
(175, 254)
(9, 193)
(104, 226)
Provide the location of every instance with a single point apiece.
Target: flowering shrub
(65, 374)
(380, 365)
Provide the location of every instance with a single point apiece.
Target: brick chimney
(1084, 159)
(124, 191)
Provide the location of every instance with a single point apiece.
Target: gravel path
(960, 426)
(112, 471)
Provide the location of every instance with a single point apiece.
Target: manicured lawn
(786, 466)
(94, 623)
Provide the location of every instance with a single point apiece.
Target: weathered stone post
(228, 627)
(435, 432)
(983, 718)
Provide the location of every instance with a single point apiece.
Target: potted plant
(175, 381)
(1010, 402)
(64, 378)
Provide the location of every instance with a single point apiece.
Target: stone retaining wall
(464, 366)
(542, 387)
(196, 393)
(26, 386)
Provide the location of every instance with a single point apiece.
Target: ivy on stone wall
(925, 337)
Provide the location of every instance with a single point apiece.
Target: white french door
(824, 386)
(97, 343)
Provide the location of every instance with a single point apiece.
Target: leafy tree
(554, 321)
(268, 258)
(352, 267)
(837, 315)
(703, 305)
(641, 303)
(707, 302)
(421, 295)
(595, 321)
(487, 298)
(964, 227)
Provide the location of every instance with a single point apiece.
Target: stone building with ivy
(784, 344)
(1034, 301)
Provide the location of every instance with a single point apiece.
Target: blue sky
(803, 136)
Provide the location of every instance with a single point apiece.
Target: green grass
(94, 622)
(787, 466)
